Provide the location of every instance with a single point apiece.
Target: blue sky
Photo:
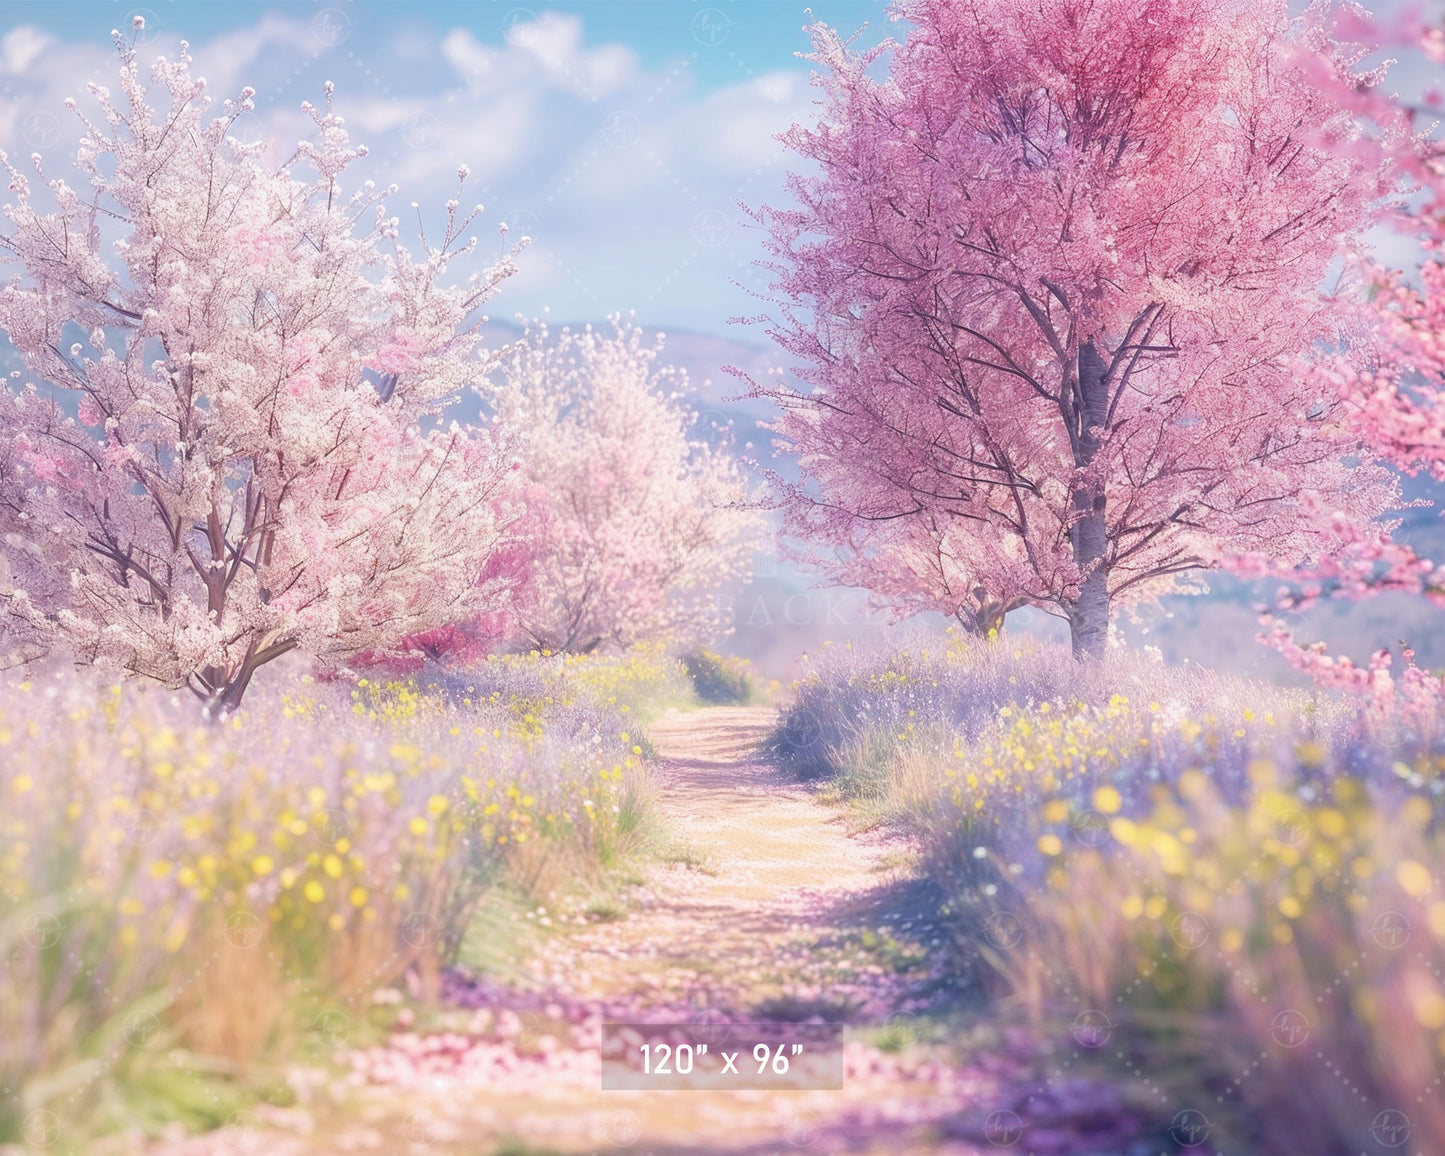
(619, 134)
(724, 40)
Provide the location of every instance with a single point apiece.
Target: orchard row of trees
(1081, 294)
(235, 443)
(1078, 293)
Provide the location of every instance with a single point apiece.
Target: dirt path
(745, 920)
(769, 911)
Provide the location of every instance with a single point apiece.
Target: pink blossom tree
(1055, 287)
(1400, 397)
(255, 463)
(632, 525)
(1394, 393)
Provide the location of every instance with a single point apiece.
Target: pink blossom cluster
(1391, 393)
(1415, 699)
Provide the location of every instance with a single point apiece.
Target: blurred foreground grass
(189, 911)
(1230, 891)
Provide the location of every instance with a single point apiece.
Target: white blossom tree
(632, 526)
(231, 446)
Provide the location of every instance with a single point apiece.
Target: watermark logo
(331, 826)
(140, 1029)
(41, 930)
(1391, 1128)
(516, 16)
(621, 129)
(146, 29)
(141, 827)
(1003, 1128)
(41, 129)
(1092, 1029)
(1290, 827)
(243, 930)
(420, 1128)
(1090, 827)
(715, 427)
(40, 1128)
(1189, 1128)
(801, 733)
(529, 1032)
(1189, 930)
(1390, 930)
(710, 1027)
(802, 1129)
(242, 1132)
(710, 227)
(622, 1128)
(330, 27)
(901, 1029)
(1289, 1029)
(331, 1029)
(523, 223)
(421, 929)
(422, 131)
(710, 27)
(1004, 929)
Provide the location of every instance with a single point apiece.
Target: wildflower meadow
(722, 577)
(1227, 880)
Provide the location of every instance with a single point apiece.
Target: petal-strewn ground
(776, 912)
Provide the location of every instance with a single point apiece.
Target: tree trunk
(226, 698)
(1089, 615)
(990, 619)
(987, 619)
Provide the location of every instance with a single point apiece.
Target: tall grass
(233, 894)
(723, 680)
(641, 682)
(1239, 881)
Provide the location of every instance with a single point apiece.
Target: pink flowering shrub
(1408, 708)
(631, 526)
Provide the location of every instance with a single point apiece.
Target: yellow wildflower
(1108, 800)
(1414, 877)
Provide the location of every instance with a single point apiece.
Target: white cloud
(468, 57)
(21, 47)
(228, 60)
(551, 46)
(493, 136)
(613, 165)
(708, 148)
(732, 130)
(777, 87)
(374, 115)
(556, 41)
